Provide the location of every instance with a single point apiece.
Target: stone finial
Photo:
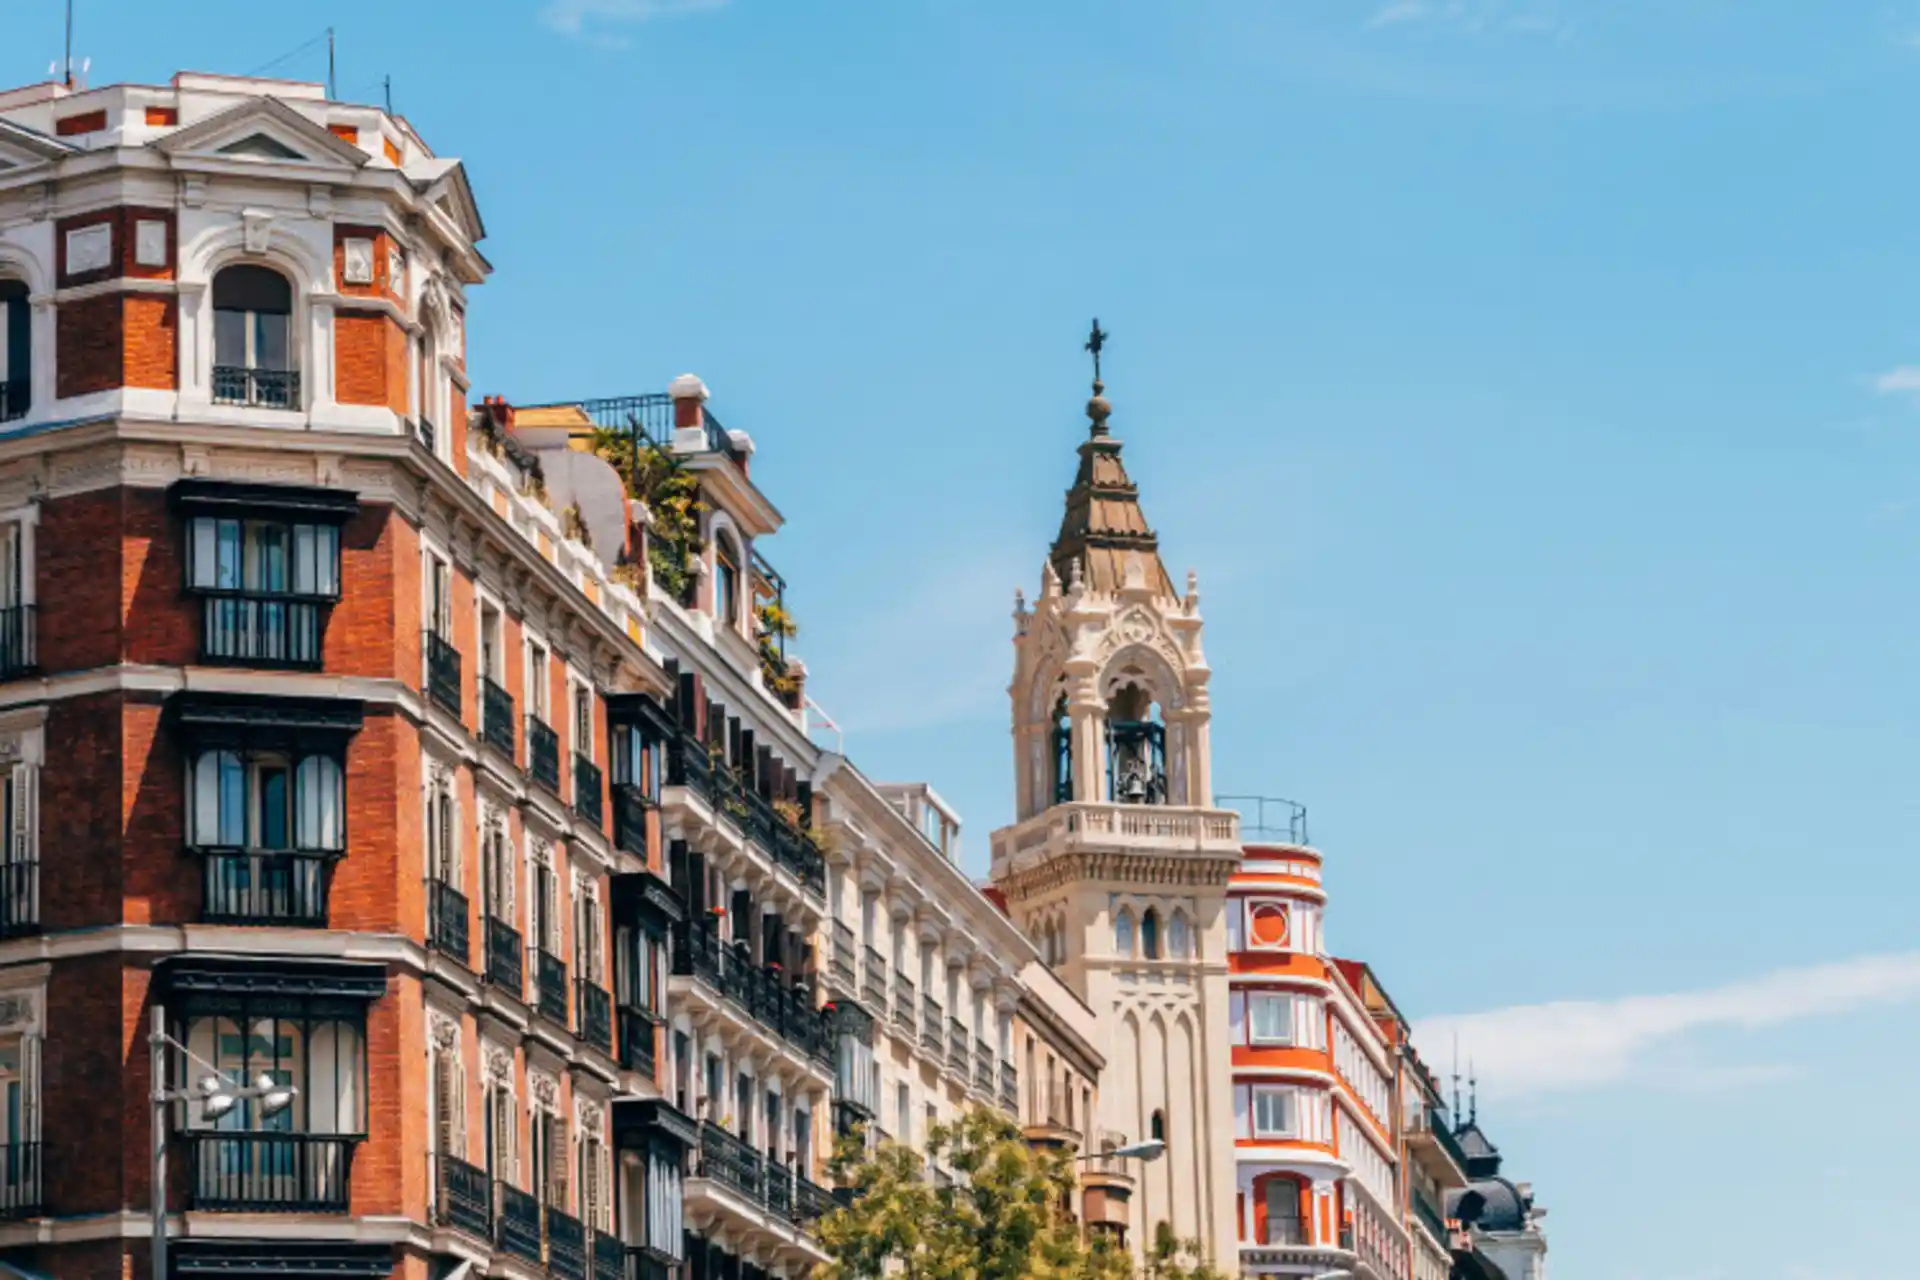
(1074, 585)
(1049, 581)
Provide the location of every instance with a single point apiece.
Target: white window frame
(1288, 1099)
(1285, 1000)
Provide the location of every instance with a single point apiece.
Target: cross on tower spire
(1095, 342)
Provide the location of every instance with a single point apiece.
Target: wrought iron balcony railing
(505, 963)
(1009, 1088)
(16, 397)
(443, 671)
(609, 1257)
(20, 1195)
(268, 1172)
(543, 754)
(779, 1190)
(904, 1002)
(983, 1068)
(516, 1222)
(260, 631)
(594, 1009)
(930, 1024)
(550, 982)
(957, 1055)
(19, 633)
(636, 1039)
(496, 717)
(691, 764)
(842, 963)
(586, 790)
(728, 1161)
(1431, 1216)
(268, 887)
(873, 982)
(630, 807)
(463, 1197)
(811, 1201)
(447, 921)
(262, 388)
(762, 993)
(566, 1246)
(19, 897)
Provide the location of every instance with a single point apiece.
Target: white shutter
(1237, 1017)
(29, 1090)
(24, 839)
(1242, 1122)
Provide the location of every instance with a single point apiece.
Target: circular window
(1269, 926)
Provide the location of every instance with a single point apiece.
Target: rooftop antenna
(69, 57)
(333, 87)
(1456, 1077)
(1473, 1094)
(386, 84)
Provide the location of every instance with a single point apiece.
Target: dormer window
(266, 563)
(253, 339)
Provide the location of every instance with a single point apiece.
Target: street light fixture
(217, 1097)
(1151, 1149)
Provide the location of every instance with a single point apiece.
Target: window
(1285, 1225)
(503, 1133)
(1270, 925)
(550, 1156)
(323, 1058)
(20, 854)
(543, 910)
(1179, 941)
(269, 825)
(439, 596)
(637, 758)
(1150, 935)
(1236, 924)
(583, 720)
(726, 582)
(498, 871)
(1272, 1018)
(595, 1180)
(538, 681)
(490, 652)
(1273, 1113)
(264, 584)
(903, 1108)
(16, 351)
(253, 339)
(443, 818)
(1123, 934)
(19, 1121)
(449, 1098)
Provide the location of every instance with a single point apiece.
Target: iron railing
(779, 1190)
(1431, 1216)
(443, 671)
(266, 887)
(516, 1222)
(873, 982)
(811, 1201)
(1009, 1088)
(424, 432)
(636, 1039)
(1268, 817)
(566, 1246)
(630, 807)
(930, 1023)
(645, 1264)
(904, 1001)
(609, 1257)
(761, 992)
(842, 970)
(496, 716)
(791, 846)
(19, 634)
(983, 1068)
(550, 983)
(505, 965)
(447, 921)
(20, 1195)
(269, 1172)
(265, 388)
(260, 631)
(543, 754)
(19, 897)
(957, 1055)
(16, 397)
(594, 1008)
(650, 418)
(464, 1200)
(729, 1161)
(586, 790)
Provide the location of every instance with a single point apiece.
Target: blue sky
(1535, 387)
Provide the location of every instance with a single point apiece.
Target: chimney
(689, 396)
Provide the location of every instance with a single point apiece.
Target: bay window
(270, 825)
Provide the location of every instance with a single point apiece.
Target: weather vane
(1095, 341)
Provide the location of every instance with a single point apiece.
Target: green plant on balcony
(574, 525)
(789, 811)
(672, 495)
(776, 625)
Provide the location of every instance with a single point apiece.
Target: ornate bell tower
(1118, 864)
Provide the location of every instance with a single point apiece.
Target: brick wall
(151, 346)
(77, 555)
(80, 813)
(88, 349)
(360, 357)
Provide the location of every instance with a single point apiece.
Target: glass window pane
(227, 563)
(273, 807)
(233, 798)
(270, 345)
(230, 338)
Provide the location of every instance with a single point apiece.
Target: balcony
(1158, 830)
(463, 1198)
(504, 965)
(443, 672)
(842, 970)
(636, 1039)
(609, 1257)
(261, 388)
(957, 1055)
(811, 1201)
(496, 717)
(19, 898)
(1430, 1217)
(630, 807)
(790, 846)
(517, 1223)
(424, 432)
(904, 999)
(19, 651)
(761, 994)
(586, 791)
(260, 631)
(643, 1264)
(266, 888)
(728, 1161)
(20, 1181)
(566, 1246)
(447, 921)
(1009, 1088)
(550, 987)
(930, 1022)
(16, 397)
(268, 1172)
(873, 982)
(983, 1065)
(595, 1009)
(543, 754)
(1431, 1143)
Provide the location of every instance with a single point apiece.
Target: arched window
(1150, 934)
(16, 351)
(1281, 1210)
(1178, 940)
(1123, 933)
(726, 582)
(1136, 748)
(1062, 752)
(253, 339)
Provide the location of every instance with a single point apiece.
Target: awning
(289, 502)
(273, 1259)
(244, 719)
(226, 979)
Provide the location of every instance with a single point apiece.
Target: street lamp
(216, 1095)
(1151, 1149)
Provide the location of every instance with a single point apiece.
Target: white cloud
(1903, 381)
(574, 16)
(1547, 1048)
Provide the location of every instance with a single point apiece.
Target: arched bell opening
(1136, 748)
